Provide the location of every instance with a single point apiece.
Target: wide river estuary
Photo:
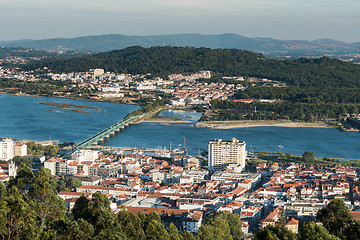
(25, 118)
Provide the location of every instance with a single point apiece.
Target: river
(24, 118)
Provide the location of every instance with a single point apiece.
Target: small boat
(177, 151)
(280, 146)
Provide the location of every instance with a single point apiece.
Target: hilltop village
(188, 188)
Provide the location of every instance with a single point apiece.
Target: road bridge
(112, 130)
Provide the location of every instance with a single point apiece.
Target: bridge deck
(101, 135)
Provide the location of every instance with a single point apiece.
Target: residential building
(8, 170)
(293, 225)
(251, 214)
(84, 155)
(222, 153)
(20, 149)
(272, 218)
(192, 221)
(6, 149)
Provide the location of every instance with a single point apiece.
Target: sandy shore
(253, 123)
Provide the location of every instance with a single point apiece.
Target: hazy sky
(280, 19)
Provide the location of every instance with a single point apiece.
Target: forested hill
(323, 72)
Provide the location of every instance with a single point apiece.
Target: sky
(279, 19)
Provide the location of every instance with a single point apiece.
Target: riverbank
(259, 123)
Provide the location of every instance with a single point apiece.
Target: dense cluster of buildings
(202, 93)
(300, 190)
(9, 73)
(180, 188)
(183, 190)
(186, 90)
(188, 191)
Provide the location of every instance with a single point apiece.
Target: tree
(3, 211)
(100, 214)
(156, 231)
(131, 224)
(81, 208)
(110, 234)
(215, 229)
(151, 217)
(174, 234)
(225, 221)
(308, 156)
(73, 183)
(316, 232)
(65, 229)
(234, 224)
(50, 207)
(23, 179)
(188, 235)
(51, 150)
(353, 231)
(335, 217)
(17, 216)
(142, 218)
(278, 232)
(18, 160)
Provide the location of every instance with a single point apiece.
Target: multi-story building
(108, 170)
(56, 165)
(293, 225)
(20, 149)
(192, 221)
(6, 149)
(85, 155)
(223, 153)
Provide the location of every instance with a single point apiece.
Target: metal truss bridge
(99, 137)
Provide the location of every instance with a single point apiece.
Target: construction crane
(122, 158)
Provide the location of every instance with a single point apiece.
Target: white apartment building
(146, 85)
(83, 155)
(6, 149)
(110, 89)
(223, 153)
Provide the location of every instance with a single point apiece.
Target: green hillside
(323, 72)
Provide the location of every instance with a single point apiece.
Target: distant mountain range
(268, 46)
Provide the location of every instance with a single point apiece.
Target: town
(183, 189)
(190, 187)
(185, 90)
